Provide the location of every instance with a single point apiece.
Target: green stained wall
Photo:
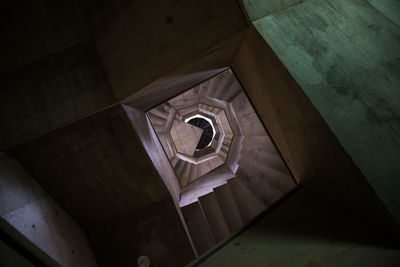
(390, 8)
(305, 231)
(345, 54)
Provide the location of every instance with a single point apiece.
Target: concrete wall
(51, 72)
(312, 152)
(99, 171)
(390, 8)
(154, 149)
(148, 39)
(306, 231)
(33, 213)
(345, 56)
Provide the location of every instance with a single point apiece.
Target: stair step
(174, 161)
(265, 190)
(228, 206)
(222, 154)
(213, 213)
(179, 167)
(158, 128)
(184, 177)
(248, 204)
(167, 107)
(273, 160)
(225, 84)
(232, 92)
(202, 168)
(193, 173)
(225, 148)
(159, 113)
(157, 120)
(261, 166)
(203, 88)
(213, 85)
(198, 227)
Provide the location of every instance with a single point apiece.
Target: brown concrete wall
(202, 67)
(150, 142)
(150, 38)
(51, 72)
(100, 173)
(32, 212)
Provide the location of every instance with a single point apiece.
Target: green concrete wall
(305, 231)
(345, 54)
(390, 8)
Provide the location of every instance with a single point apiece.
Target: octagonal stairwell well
(228, 175)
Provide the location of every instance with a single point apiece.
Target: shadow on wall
(305, 231)
(27, 208)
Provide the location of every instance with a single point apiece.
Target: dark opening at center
(207, 131)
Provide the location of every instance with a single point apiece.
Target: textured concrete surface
(28, 208)
(151, 38)
(345, 56)
(99, 171)
(51, 73)
(33, 30)
(261, 167)
(260, 8)
(154, 149)
(305, 231)
(313, 153)
(50, 93)
(390, 8)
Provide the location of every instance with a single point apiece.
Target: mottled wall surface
(50, 93)
(33, 213)
(346, 57)
(305, 231)
(100, 173)
(390, 8)
(259, 8)
(31, 30)
(51, 73)
(151, 38)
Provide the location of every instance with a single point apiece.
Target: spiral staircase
(227, 166)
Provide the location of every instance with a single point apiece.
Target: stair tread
(213, 213)
(198, 227)
(184, 177)
(229, 208)
(159, 113)
(225, 84)
(248, 204)
(232, 92)
(192, 173)
(179, 167)
(269, 168)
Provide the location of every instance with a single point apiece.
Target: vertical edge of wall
(37, 223)
(311, 150)
(154, 149)
(24, 247)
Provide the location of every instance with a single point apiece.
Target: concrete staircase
(223, 87)
(239, 176)
(217, 215)
(187, 172)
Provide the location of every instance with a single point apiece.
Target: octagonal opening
(207, 126)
